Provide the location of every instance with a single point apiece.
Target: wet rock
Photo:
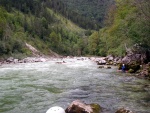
(79, 107)
(134, 67)
(101, 62)
(135, 57)
(136, 54)
(131, 71)
(117, 60)
(101, 67)
(115, 64)
(10, 59)
(108, 67)
(110, 63)
(109, 58)
(129, 59)
(15, 61)
(123, 110)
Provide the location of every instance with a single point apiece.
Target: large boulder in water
(135, 56)
(129, 59)
(79, 107)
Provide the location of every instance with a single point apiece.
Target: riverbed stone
(108, 67)
(16, 60)
(10, 59)
(109, 58)
(131, 71)
(101, 67)
(100, 62)
(78, 106)
(124, 110)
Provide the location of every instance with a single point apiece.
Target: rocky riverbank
(12, 60)
(136, 61)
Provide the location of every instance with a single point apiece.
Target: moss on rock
(96, 108)
(131, 71)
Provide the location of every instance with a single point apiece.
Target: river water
(35, 87)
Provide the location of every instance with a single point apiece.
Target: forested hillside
(38, 24)
(93, 10)
(127, 23)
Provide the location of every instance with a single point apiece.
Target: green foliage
(2, 22)
(94, 42)
(89, 13)
(44, 30)
(126, 23)
(131, 25)
(55, 40)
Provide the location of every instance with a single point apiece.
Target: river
(35, 87)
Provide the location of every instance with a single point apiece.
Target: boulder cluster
(136, 60)
(12, 60)
(78, 106)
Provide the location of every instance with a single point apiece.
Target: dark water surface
(35, 87)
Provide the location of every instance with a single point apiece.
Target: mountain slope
(95, 10)
(127, 23)
(39, 26)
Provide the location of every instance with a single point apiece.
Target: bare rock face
(123, 110)
(135, 57)
(136, 54)
(79, 107)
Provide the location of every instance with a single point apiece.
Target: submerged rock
(101, 67)
(123, 110)
(108, 67)
(131, 71)
(79, 107)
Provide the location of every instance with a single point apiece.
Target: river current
(35, 87)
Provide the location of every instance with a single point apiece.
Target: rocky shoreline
(140, 70)
(132, 66)
(136, 61)
(12, 60)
